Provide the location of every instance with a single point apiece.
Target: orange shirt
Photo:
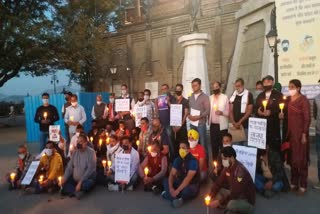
(199, 152)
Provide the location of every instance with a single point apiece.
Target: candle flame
(91, 139)
(138, 142)
(207, 200)
(109, 164)
(215, 164)
(281, 106)
(146, 171)
(104, 163)
(12, 176)
(149, 148)
(100, 142)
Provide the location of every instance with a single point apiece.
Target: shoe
(130, 188)
(293, 187)
(79, 195)
(268, 194)
(156, 190)
(177, 203)
(163, 194)
(317, 186)
(302, 190)
(113, 187)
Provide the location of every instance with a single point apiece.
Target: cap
(268, 77)
(194, 134)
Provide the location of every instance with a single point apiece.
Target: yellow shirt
(53, 166)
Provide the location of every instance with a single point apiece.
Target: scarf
(244, 99)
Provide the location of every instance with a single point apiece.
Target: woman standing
(298, 135)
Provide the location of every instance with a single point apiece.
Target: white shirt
(135, 162)
(75, 114)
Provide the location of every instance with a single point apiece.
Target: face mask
(193, 143)
(125, 147)
(74, 104)
(292, 92)
(153, 154)
(216, 91)
(123, 92)
(144, 128)
(140, 99)
(178, 93)
(45, 101)
(111, 100)
(225, 163)
(226, 145)
(77, 134)
(183, 153)
(267, 87)
(79, 146)
(146, 97)
(258, 91)
(61, 146)
(99, 102)
(48, 152)
(21, 156)
(239, 91)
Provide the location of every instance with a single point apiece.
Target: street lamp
(54, 81)
(113, 71)
(272, 39)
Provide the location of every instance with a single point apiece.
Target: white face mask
(111, 100)
(74, 104)
(77, 134)
(45, 101)
(292, 92)
(193, 143)
(48, 152)
(226, 145)
(145, 97)
(99, 102)
(153, 154)
(22, 156)
(225, 163)
(123, 92)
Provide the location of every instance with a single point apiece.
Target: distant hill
(12, 99)
(59, 90)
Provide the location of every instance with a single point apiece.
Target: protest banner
(122, 105)
(54, 133)
(122, 168)
(162, 102)
(140, 112)
(176, 115)
(248, 157)
(257, 135)
(30, 173)
(194, 112)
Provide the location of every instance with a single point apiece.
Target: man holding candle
(218, 119)
(144, 137)
(46, 115)
(123, 130)
(144, 101)
(100, 112)
(126, 115)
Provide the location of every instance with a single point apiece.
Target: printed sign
(248, 157)
(176, 115)
(54, 133)
(140, 112)
(162, 103)
(194, 112)
(122, 168)
(122, 105)
(30, 173)
(257, 135)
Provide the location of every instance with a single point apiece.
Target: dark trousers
(69, 187)
(216, 139)
(189, 192)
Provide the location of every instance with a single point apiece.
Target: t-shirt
(164, 115)
(184, 165)
(52, 116)
(237, 115)
(199, 152)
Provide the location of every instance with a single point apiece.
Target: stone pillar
(148, 53)
(195, 61)
(129, 67)
(169, 53)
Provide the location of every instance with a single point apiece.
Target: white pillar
(195, 61)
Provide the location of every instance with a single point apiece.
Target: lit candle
(215, 107)
(190, 94)
(284, 97)
(104, 163)
(12, 176)
(109, 165)
(108, 140)
(149, 149)
(91, 139)
(71, 118)
(45, 115)
(40, 179)
(138, 142)
(281, 106)
(100, 142)
(60, 181)
(215, 164)
(264, 103)
(207, 200)
(146, 171)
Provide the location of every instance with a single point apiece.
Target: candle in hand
(60, 181)
(12, 176)
(71, 118)
(138, 142)
(91, 139)
(281, 106)
(215, 164)
(108, 140)
(41, 179)
(146, 171)
(104, 163)
(149, 149)
(215, 107)
(207, 200)
(284, 97)
(264, 103)
(45, 115)
(100, 142)
(109, 164)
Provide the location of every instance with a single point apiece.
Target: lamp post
(54, 81)
(272, 38)
(113, 71)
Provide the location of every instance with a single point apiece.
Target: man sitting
(23, 162)
(50, 169)
(184, 179)
(122, 131)
(74, 140)
(80, 174)
(240, 196)
(153, 169)
(198, 151)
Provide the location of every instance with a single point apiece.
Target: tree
(28, 40)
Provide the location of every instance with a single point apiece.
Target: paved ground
(101, 201)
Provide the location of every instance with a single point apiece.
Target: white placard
(248, 157)
(30, 173)
(140, 112)
(54, 133)
(257, 135)
(122, 105)
(194, 112)
(176, 115)
(153, 87)
(122, 168)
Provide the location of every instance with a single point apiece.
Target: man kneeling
(184, 179)
(80, 175)
(240, 196)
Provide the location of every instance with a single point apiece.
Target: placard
(140, 112)
(257, 135)
(54, 131)
(122, 105)
(153, 87)
(248, 157)
(122, 168)
(30, 173)
(162, 103)
(176, 115)
(194, 112)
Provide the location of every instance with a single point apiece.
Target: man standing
(99, 112)
(74, 116)
(112, 115)
(218, 118)
(271, 99)
(199, 105)
(126, 115)
(241, 106)
(316, 115)
(46, 115)
(67, 96)
(80, 174)
(144, 101)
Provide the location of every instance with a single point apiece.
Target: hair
(240, 80)
(145, 119)
(147, 90)
(229, 152)
(219, 83)
(112, 94)
(124, 85)
(141, 93)
(83, 136)
(109, 124)
(125, 138)
(296, 83)
(186, 143)
(122, 122)
(75, 96)
(50, 142)
(114, 137)
(45, 94)
(227, 135)
(79, 126)
(259, 83)
(179, 85)
(157, 144)
(94, 121)
(165, 84)
(197, 80)
(22, 147)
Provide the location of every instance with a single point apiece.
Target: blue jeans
(260, 181)
(202, 129)
(189, 192)
(69, 187)
(318, 153)
(44, 136)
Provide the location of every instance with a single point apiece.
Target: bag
(238, 135)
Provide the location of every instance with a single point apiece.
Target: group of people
(174, 160)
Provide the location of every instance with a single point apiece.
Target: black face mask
(267, 87)
(140, 99)
(178, 93)
(125, 147)
(79, 146)
(216, 91)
